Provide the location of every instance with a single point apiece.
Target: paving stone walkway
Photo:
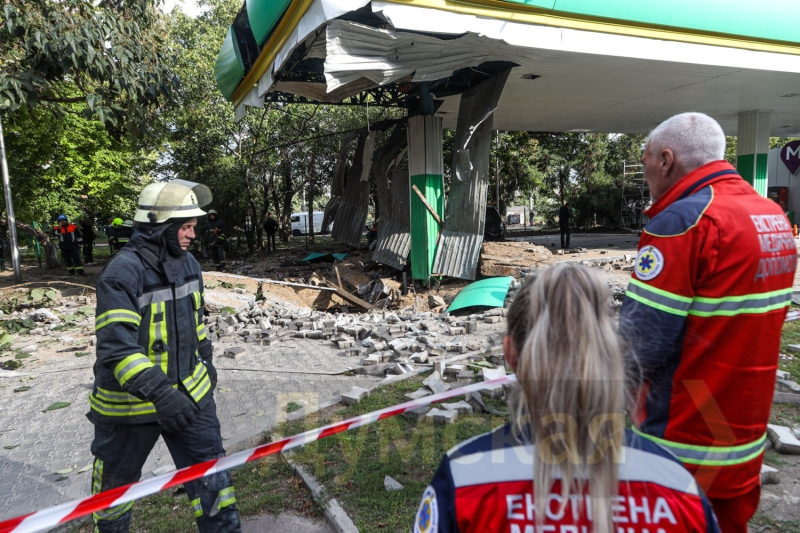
(34, 445)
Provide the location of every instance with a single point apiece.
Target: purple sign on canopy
(790, 155)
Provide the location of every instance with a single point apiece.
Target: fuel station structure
(616, 66)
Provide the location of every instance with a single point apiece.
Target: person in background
(87, 228)
(564, 216)
(70, 240)
(215, 236)
(250, 231)
(123, 230)
(271, 227)
(705, 307)
(565, 462)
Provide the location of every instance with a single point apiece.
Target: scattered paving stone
(495, 391)
(783, 439)
(783, 374)
(418, 413)
(233, 351)
(352, 352)
(769, 475)
(355, 395)
(435, 383)
(457, 331)
(417, 394)
(493, 373)
(462, 407)
(442, 416)
(492, 319)
(391, 485)
(785, 385)
(476, 401)
(29, 349)
(793, 347)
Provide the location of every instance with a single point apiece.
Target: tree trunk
(49, 251)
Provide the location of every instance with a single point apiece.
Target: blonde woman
(566, 464)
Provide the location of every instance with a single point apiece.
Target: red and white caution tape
(53, 516)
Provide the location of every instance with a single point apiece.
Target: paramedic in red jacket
(566, 464)
(704, 308)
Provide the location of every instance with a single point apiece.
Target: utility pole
(12, 228)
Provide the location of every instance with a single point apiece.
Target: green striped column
(752, 148)
(425, 166)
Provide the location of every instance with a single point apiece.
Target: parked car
(494, 228)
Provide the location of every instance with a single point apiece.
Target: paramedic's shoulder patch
(649, 263)
(427, 520)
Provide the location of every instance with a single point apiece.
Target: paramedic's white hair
(695, 139)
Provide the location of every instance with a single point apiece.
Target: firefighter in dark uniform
(154, 374)
(123, 231)
(87, 227)
(70, 240)
(215, 237)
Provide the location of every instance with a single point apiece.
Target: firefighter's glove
(174, 410)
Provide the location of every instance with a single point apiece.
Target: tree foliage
(113, 56)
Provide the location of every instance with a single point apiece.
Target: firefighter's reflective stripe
(157, 351)
(187, 288)
(161, 295)
(97, 487)
(225, 498)
(197, 508)
(198, 384)
(737, 305)
(165, 294)
(131, 366)
(114, 403)
(711, 455)
(658, 298)
(117, 315)
(119, 407)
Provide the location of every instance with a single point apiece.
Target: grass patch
(352, 465)
(790, 335)
(763, 522)
(265, 486)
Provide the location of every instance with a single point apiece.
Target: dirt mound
(508, 258)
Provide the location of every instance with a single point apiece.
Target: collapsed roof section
(613, 66)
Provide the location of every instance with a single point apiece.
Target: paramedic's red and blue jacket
(485, 485)
(705, 307)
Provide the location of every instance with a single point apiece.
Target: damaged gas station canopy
(616, 66)
(482, 294)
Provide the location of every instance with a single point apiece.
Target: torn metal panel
(339, 179)
(394, 233)
(352, 211)
(384, 162)
(357, 52)
(460, 245)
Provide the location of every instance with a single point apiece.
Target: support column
(752, 148)
(426, 167)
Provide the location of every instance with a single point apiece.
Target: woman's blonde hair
(570, 389)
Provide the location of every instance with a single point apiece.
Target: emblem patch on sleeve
(427, 520)
(649, 263)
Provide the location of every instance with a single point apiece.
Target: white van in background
(300, 223)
